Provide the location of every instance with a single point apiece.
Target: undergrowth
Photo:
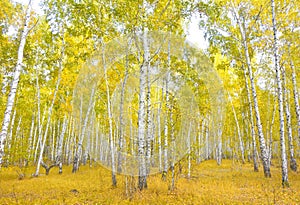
(229, 183)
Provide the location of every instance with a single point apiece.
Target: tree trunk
(280, 100)
(111, 140)
(159, 134)
(295, 92)
(255, 164)
(121, 122)
(189, 150)
(173, 148)
(238, 130)
(142, 183)
(293, 163)
(60, 69)
(166, 124)
(263, 148)
(14, 84)
(30, 140)
(9, 138)
(78, 152)
(59, 155)
(149, 138)
(271, 134)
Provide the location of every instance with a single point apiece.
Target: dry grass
(230, 183)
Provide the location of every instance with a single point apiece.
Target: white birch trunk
(30, 140)
(121, 122)
(295, 92)
(293, 163)
(59, 155)
(15, 82)
(78, 152)
(207, 144)
(173, 148)
(142, 114)
(159, 136)
(97, 150)
(263, 148)
(60, 69)
(189, 150)
(255, 164)
(271, 134)
(149, 138)
(166, 123)
(280, 99)
(238, 130)
(111, 140)
(9, 138)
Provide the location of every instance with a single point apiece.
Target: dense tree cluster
(116, 83)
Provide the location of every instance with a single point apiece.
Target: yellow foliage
(230, 183)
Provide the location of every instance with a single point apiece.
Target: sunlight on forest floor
(230, 183)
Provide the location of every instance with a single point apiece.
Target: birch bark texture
(280, 98)
(254, 150)
(15, 82)
(263, 148)
(142, 183)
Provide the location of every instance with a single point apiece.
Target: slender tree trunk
(207, 143)
(59, 155)
(121, 125)
(111, 140)
(142, 114)
(166, 126)
(78, 152)
(60, 69)
(219, 140)
(97, 151)
(30, 140)
(263, 148)
(15, 82)
(293, 163)
(295, 91)
(271, 134)
(280, 100)
(9, 138)
(199, 141)
(149, 138)
(52, 143)
(189, 150)
(238, 130)
(159, 135)
(255, 164)
(173, 148)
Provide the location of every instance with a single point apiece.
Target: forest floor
(229, 183)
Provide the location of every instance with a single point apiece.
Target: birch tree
(280, 98)
(142, 183)
(15, 82)
(254, 150)
(109, 112)
(263, 149)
